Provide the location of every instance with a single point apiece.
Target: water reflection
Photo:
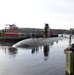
(35, 50)
(46, 52)
(12, 51)
(52, 43)
(56, 41)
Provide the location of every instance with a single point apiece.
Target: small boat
(11, 33)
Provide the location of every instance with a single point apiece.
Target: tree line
(37, 30)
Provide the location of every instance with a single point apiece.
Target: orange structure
(12, 30)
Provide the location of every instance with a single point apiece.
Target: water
(42, 60)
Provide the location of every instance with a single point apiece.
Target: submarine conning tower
(47, 30)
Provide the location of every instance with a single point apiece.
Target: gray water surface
(42, 60)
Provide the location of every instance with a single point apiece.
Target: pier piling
(69, 62)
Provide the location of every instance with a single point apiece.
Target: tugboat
(11, 33)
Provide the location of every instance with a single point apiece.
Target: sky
(59, 14)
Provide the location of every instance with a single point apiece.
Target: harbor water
(42, 60)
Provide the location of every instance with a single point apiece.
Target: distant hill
(30, 30)
(37, 30)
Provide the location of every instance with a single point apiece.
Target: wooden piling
(69, 63)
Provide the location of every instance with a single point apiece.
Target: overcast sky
(59, 14)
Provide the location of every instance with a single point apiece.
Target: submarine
(34, 42)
